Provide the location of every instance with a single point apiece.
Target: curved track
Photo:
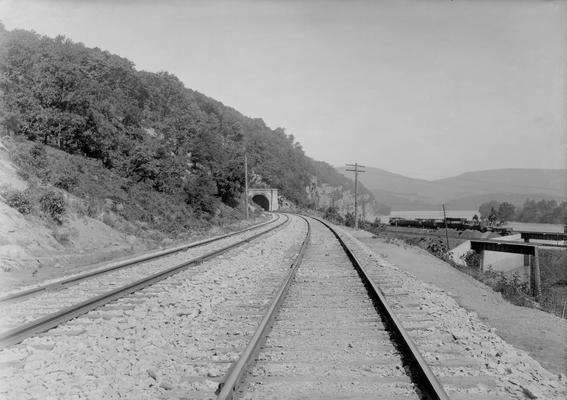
(130, 262)
(37, 315)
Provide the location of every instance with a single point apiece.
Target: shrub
(33, 162)
(21, 200)
(39, 162)
(471, 259)
(53, 204)
(66, 180)
(437, 247)
(349, 219)
(199, 191)
(332, 214)
(38, 156)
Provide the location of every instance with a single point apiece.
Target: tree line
(542, 211)
(147, 127)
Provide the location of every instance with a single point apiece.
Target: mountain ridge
(467, 190)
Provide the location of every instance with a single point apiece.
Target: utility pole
(446, 233)
(356, 171)
(246, 184)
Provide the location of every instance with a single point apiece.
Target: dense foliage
(146, 127)
(542, 211)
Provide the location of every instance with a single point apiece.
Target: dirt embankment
(34, 248)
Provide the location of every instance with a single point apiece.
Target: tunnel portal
(265, 198)
(262, 201)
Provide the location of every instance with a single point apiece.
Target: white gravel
(107, 264)
(470, 358)
(30, 308)
(327, 341)
(173, 340)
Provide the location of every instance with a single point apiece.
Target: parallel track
(124, 264)
(306, 366)
(19, 333)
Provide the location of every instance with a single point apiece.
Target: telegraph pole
(357, 169)
(246, 184)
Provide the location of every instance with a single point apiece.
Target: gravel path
(328, 341)
(472, 361)
(173, 340)
(30, 308)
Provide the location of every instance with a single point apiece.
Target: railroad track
(330, 334)
(30, 312)
(130, 262)
(285, 317)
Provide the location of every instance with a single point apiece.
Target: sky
(425, 88)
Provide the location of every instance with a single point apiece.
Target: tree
(486, 209)
(492, 218)
(154, 132)
(506, 212)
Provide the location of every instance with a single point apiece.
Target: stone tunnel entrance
(262, 201)
(265, 198)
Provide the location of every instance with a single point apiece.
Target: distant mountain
(466, 191)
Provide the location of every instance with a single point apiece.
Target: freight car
(459, 224)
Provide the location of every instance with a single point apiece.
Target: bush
(438, 248)
(33, 162)
(53, 204)
(349, 219)
(66, 181)
(200, 193)
(332, 214)
(38, 156)
(39, 162)
(21, 200)
(471, 259)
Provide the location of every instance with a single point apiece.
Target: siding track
(39, 314)
(58, 284)
(330, 334)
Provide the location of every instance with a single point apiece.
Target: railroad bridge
(265, 198)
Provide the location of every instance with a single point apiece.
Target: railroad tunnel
(262, 201)
(265, 198)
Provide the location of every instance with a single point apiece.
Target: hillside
(551, 183)
(157, 136)
(98, 159)
(465, 191)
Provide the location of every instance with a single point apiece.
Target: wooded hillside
(146, 127)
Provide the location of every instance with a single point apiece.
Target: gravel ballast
(175, 339)
(469, 357)
(328, 340)
(27, 309)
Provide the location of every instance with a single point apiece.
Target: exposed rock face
(325, 196)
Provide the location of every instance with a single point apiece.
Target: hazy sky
(424, 88)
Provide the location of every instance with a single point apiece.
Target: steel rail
(127, 263)
(16, 335)
(425, 375)
(230, 381)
